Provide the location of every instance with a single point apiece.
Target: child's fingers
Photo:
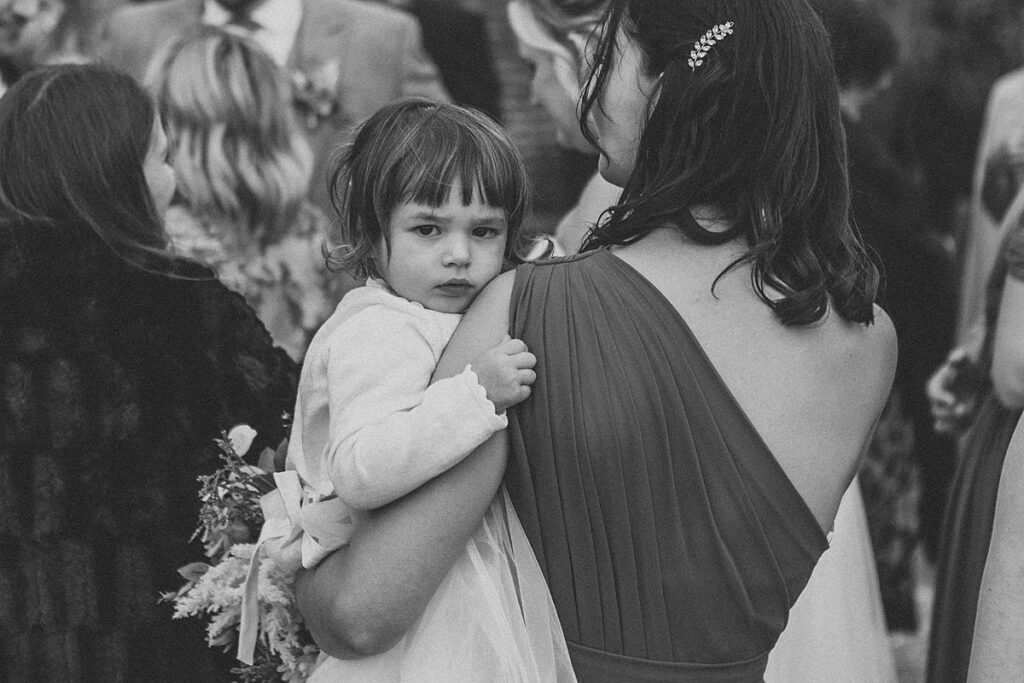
(524, 360)
(512, 346)
(526, 377)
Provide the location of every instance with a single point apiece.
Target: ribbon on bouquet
(296, 533)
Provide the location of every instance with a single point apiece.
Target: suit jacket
(458, 41)
(378, 51)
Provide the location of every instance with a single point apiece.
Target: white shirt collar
(279, 22)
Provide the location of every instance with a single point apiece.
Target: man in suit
(460, 44)
(354, 57)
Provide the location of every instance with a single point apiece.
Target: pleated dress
(673, 543)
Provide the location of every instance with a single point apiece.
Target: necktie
(240, 18)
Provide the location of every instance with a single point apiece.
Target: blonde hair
(238, 151)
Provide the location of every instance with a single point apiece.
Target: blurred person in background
(243, 167)
(36, 32)
(978, 387)
(121, 365)
(968, 526)
(552, 37)
(997, 648)
(996, 205)
(997, 645)
(886, 206)
(458, 41)
(26, 27)
(345, 58)
(959, 387)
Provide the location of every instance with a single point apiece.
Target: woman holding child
(709, 368)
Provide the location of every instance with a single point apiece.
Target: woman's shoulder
(877, 335)
(865, 352)
(815, 393)
(205, 308)
(547, 266)
(877, 338)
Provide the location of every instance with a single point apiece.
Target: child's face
(442, 256)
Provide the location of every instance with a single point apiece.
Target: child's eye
(485, 232)
(425, 230)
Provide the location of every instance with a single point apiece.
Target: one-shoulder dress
(673, 542)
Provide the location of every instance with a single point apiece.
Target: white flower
(241, 438)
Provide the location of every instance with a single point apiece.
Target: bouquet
(230, 518)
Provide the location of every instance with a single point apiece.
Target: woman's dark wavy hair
(415, 150)
(754, 131)
(73, 139)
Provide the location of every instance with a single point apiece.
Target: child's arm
(360, 600)
(391, 432)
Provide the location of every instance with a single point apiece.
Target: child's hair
(239, 153)
(73, 140)
(415, 151)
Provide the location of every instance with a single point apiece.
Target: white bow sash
(298, 531)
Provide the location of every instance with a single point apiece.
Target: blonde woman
(243, 169)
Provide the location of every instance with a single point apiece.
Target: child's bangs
(447, 154)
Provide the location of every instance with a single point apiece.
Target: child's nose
(457, 253)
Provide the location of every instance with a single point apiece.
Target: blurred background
(918, 107)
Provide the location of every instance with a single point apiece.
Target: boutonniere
(314, 92)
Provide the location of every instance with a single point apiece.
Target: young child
(430, 199)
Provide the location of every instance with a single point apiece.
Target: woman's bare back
(813, 393)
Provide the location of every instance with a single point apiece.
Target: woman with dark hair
(708, 373)
(120, 366)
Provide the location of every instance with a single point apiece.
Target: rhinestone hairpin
(701, 47)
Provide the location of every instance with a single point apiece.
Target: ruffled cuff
(483, 405)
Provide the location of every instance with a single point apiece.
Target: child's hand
(506, 373)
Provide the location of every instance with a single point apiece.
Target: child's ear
(376, 262)
(379, 254)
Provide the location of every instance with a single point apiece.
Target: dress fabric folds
(673, 542)
(967, 533)
(970, 512)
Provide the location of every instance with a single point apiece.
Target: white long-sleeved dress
(369, 428)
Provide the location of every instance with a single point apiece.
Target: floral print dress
(287, 283)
